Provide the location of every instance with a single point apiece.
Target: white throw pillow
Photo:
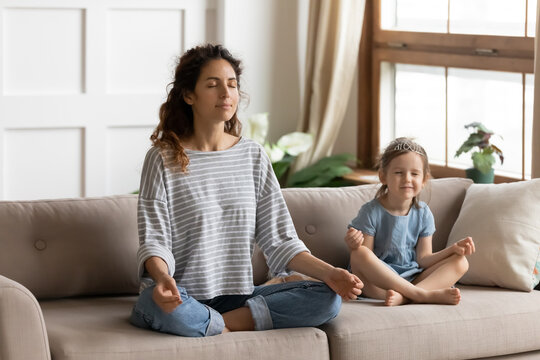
(504, 222)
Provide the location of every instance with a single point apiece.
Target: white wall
(263, 33)
(81, 83)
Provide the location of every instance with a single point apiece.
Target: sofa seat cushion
(98, 328)
(487, 322)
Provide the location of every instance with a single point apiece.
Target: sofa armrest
(22, 329)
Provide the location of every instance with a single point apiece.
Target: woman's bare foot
(393, 298)
(450, 296)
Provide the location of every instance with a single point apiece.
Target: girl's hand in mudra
(354, 238)
(464, 246)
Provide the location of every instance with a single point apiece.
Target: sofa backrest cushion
(321, 215)
(72, 247)
(69, 247)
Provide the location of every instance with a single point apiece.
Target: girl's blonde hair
(397, 147)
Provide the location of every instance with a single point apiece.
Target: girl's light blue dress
(395, 236)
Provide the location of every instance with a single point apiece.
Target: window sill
(366, 176)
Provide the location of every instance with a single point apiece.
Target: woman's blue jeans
(287, 305)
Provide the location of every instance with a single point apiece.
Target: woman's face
(216, 96)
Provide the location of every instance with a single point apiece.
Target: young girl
(390, 238)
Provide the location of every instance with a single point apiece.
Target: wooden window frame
(483, 52)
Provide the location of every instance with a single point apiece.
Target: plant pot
(479, 177)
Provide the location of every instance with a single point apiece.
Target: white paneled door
(81, 82)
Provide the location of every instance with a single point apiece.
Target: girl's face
(216, 96)
(404, 176)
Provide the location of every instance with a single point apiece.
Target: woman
(207, 196)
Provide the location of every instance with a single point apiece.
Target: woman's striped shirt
(204, 223)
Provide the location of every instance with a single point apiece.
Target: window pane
(494, 99)
(414, 15)
(419, 107)
(529, 104)
(531, 18)
(387, 98)
(488, 17)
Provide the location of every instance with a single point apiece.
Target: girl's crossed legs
(433, 285)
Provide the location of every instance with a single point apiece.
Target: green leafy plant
(484, 157)
(327, 172)
(281, 166)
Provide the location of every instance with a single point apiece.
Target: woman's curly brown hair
(175, 115)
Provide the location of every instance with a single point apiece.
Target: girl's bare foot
(393, 298)
(450, 296)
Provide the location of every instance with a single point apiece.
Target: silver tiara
(409, 147)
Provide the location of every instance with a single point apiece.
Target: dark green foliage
(325, 172)
(280, 167)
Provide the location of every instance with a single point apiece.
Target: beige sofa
(68, 283)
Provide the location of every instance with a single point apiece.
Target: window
(434, 66)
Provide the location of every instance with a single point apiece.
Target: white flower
(256, 127)
(275, 153)
(295, 143)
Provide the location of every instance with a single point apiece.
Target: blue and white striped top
(204, 223)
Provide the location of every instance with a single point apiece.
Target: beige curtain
(536, 116)
(333, 41)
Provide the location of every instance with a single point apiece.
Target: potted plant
(484, 156)
(325, 172)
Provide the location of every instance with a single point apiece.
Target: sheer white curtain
(333, 41)
(536, 117)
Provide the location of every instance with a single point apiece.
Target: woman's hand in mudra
(345, 284)
(166, 294)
